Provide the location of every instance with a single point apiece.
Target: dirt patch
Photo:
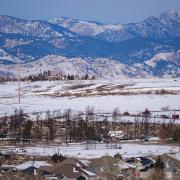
(77, 86)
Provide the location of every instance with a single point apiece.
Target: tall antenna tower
(19, 79)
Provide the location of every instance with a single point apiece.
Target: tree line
(48, 75)
(68, 127)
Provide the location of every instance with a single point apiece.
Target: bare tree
(68, 128)
(51, 127)
(136, 127)
(115, 115)
(26, 132)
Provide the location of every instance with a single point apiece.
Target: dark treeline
(68, 127)
(5, 79)
(47, 75)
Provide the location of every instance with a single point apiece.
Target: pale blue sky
(108, 11)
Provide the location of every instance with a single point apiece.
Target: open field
(128, 95)
(85, 134)
(95, 151)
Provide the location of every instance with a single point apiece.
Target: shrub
(126, 113)
(118, 156)
(57, 158)
(159, 164)
(176, 135)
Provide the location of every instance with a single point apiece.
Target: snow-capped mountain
(85, 28)
(147, 48)
(164, 27)
(42, 29)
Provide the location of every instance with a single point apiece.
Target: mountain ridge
(128, 44)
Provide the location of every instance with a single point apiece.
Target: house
(71, 169)
(125, 168)
(88, 174)
(29, 167)
(106, 168)
(30, 171)
(10, 177)
(140, 163)
(64, 171)
(116, 134)
(8, 168)
(145, 163)
(172, 165)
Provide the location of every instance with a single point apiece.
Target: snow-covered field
(126, 94)
(104, 96)
(98, 150)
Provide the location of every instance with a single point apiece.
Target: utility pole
(19, 79)
(94, 68)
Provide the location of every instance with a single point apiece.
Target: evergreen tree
(57, 158)
(49, 73)
(30, 78)
(159, 165)
(86, 77)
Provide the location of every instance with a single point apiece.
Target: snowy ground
(128, 94)
(27, 164)
(36, 164)
(95, 151)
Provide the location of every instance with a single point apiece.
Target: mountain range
(63, 45)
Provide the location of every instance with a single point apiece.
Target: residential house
(71, 169)
(106, 168)
(115, 135)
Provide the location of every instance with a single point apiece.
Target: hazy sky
(110, 11)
